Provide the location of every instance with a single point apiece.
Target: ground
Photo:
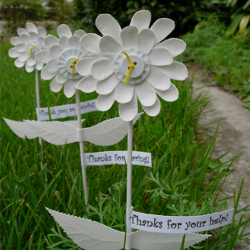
(233, 133)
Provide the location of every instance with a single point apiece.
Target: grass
(227, 57)
(175, 185)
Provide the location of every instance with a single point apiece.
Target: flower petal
(43, 56)
(153, 110)
(141, 20)
(146, 41)
(55, 51)
(64, 30)
(13, 53)
(61, 79)
(15, 40)
(21, 31)
(20, 47)
(74, 42)
(23, 57)
(30, 27)
(102, 69)
(110, 46)
(87, 84)
(174, 45)
(19, 64)
(158, 79)
(52, 66)
(84, 65)
(41, 41)
(25, 38)
(64, 42)
(33, 36)
(31, 61)
(79, 33)
(108, 85)
(162, 28)
(129, 37)
(128, 111)
(124, 92)
(50, 41)
(90, 42)
(176, 71)
(108, 26)
(170, 95)
(39, 66)
(104, 102)
(41, 32)
(55, 86)
(46, 75)
(146, 93)
(160, 57)
(69, 89)
(29, 68)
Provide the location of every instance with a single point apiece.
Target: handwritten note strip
(179, 224)
(64, 111)
(117, 157)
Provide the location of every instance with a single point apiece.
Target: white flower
(149, 72)
(28, 42)
(61, 58)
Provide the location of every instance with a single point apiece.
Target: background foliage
(238, 13)
(17, 12)
(185, 13)
(227, 57)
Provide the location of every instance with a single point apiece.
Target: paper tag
(180, 224)
(64, 111)
(117, 157)
(128, 221)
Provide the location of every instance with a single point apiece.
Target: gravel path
(234, 132)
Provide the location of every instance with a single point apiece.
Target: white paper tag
(180, 224)
(117, 157)
(64, 111)
(128, 221)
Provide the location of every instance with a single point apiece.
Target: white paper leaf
(21, 129)
(142, 240)
(108, 132)
(88, 234)
(57, 133)
(105, 133)
(74, 122)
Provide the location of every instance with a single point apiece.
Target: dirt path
(234, 132)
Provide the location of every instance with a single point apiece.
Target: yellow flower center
(131, 66)
(31, 48)
(73, 64)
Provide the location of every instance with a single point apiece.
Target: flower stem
(129, 186)
(38, 117)
(84, 175)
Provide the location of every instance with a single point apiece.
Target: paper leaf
(21, 129)
(88, 234)
(74, 122)
(58, 133)
(142, 240)
(105, 133)
(108, 132)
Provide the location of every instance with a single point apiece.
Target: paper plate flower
(28, 42)
(136, 65)
(61, 59)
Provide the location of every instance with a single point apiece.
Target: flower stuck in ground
(27, 44)
(61, 60)
(134, 64)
